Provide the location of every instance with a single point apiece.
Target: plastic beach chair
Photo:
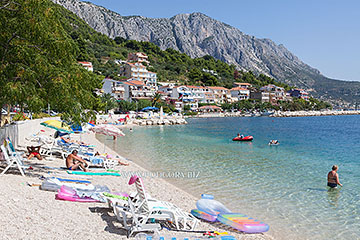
(141, 209)
(12, 161)
(11, 150)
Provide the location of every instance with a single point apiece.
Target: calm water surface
(283, 185)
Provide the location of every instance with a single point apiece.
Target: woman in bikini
(34, 152)
(333, 177)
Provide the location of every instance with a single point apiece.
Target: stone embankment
(314, 113)
(170, 121)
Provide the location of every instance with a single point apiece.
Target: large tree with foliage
(38, 62)
(109, 102)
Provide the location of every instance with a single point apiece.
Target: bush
(20, 116)
(40, 115)
(189, 113)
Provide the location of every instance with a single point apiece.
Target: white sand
(30, 213)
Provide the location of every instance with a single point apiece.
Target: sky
(322, 33)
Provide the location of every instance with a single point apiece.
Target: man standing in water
(333, 177)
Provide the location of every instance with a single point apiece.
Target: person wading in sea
(333, 177)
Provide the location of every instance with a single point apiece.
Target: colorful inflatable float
(54, 184)
(94, 173)
(68, 194)
(211, 210)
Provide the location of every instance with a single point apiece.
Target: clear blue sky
(323, 33)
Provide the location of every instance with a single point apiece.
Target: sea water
(284, 186)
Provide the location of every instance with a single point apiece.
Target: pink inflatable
(68, 194)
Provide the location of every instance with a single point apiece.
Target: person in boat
(333, 177)
(73, 162)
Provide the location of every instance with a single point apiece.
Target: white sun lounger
(140, 209)
(12, 161)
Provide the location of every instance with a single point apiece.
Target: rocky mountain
(197, 35)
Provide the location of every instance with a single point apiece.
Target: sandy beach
(30, 213)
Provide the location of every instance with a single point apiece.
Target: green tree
(142, 103)
(195, 75)
(186, 107)
(156, 99)
(108, 101)
(126, 106)
(38, 62)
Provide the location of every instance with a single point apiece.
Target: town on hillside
(139, 83)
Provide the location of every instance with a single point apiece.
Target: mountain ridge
(197, 34)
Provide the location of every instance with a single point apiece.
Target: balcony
(118, 89)
(142, 93)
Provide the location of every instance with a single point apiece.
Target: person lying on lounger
(97, 154)
(73, 162)
(68, 140)
(34, 152)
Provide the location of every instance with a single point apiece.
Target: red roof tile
(239, 89)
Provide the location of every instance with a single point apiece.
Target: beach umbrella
(161, 113)
(108, 130)
(57, 125)
(149, 109)
(80, 129)
(87, 126)
(76, 128)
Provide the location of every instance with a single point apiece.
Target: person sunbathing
(73, 162)
(34, 152)
(97, 155)
(68, 140)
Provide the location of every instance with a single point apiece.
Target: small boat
(267, 113)
(245, 139)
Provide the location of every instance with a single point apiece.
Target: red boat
(246, 138)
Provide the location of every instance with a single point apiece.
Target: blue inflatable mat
(72, 180)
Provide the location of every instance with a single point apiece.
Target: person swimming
(333, 177)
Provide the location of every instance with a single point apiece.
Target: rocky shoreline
(315, 113)
(171, 121)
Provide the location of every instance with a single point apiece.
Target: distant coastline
(282, 114)
(315, 113)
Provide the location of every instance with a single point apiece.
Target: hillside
(171, 65)
(198, 35)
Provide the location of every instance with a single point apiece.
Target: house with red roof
(299, 93)
(138, 57)
(239, 93)
(221, 94)
(87, 65)
(242, 85)
(276, 93)
(210, 108)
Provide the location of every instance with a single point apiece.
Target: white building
(87, 65)
(137, 71)
(135, 89)
(138, 57)
(115, 88)
(238, 93)
(184, 94)
(222, 94)
(275, 93)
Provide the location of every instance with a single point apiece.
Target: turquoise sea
(284, 186)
